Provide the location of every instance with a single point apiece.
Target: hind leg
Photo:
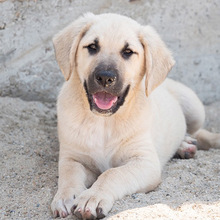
(192, 107)
(194, 113)
(187, 148)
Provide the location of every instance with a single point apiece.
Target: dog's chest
(101, 159)
(101, 144)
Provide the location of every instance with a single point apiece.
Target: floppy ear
(158, 59)
(66, 43)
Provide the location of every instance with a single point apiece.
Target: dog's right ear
(66, 43)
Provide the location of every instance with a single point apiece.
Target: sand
(29, 84)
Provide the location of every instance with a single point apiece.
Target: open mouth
(104, 102)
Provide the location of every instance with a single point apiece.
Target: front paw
(92, 204)
(63, 202)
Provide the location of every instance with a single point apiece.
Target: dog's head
(111, 55)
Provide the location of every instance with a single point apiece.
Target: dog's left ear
(158, 58)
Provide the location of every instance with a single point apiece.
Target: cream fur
(125, 152)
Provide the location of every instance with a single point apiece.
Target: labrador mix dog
(119, 120)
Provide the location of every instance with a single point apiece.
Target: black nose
(105, 78)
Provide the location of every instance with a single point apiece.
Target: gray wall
(27, 65)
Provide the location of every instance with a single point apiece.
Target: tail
(207, 140)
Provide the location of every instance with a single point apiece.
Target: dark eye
(126, 53)
(93, 48)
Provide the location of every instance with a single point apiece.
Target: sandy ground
(29, 154)
(29, 83)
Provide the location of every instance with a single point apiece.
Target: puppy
(119, 120)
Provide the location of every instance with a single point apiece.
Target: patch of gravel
(30, 81)
(190, 189)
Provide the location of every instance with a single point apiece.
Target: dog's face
(111, 54)
(109, 64)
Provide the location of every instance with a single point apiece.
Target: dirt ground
(29, 154)
(29, 84)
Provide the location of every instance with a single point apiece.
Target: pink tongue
(104, 100)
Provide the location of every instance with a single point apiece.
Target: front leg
(140, 172)
(73, 179)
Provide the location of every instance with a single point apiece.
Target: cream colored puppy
(118, 123)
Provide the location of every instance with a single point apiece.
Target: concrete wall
(27, 65)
